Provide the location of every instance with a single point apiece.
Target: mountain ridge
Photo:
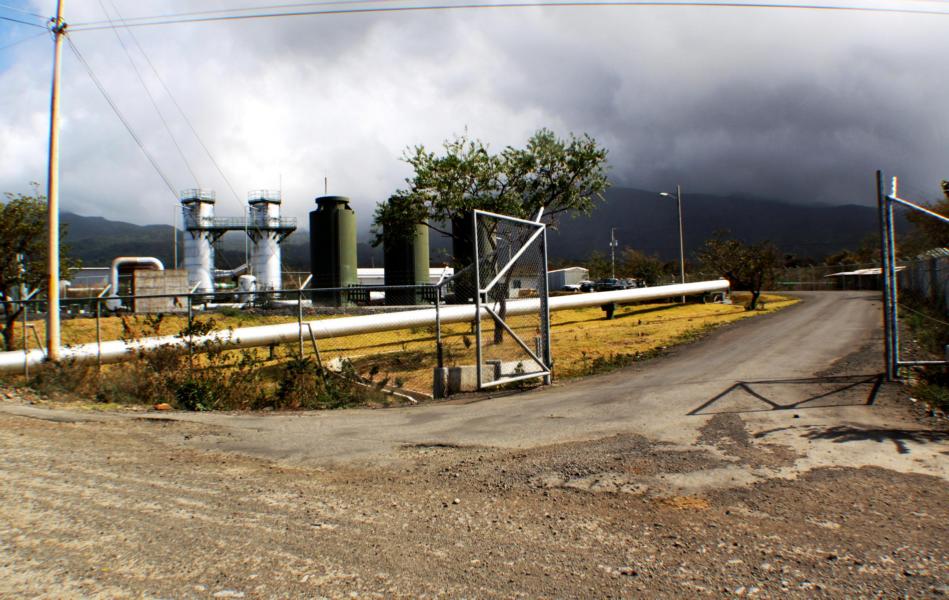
(642, 219)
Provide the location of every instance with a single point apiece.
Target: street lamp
(678, 197)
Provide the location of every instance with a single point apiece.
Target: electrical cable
(190, 126)
(20, 10)
(121, 117)
(152, 99)
(26, 39)
(173, 19)
(12, 20)
(252, 8)
(180, 110)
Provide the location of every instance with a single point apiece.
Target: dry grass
(583, 340)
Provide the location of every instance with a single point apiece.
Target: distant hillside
(96, 241)
(643, 220)
(648, 222)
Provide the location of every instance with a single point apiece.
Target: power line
(180, 110)
(176, 19)
(252, 8)
(26, 39)
(121, 117)
(20, 10)
(12, 20)
(186, 120)
(152, 99)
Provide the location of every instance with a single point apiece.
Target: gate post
(884, 276)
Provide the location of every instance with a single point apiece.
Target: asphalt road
(771, 370)
(724, 470)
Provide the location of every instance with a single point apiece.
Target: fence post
(191, 332)
(300, 319)
(438, 327)
(98, 335)
(305, 283)
(99, 327)
(894, 284)
(545, 309)
(26, 342)
(477, 289)
(884, 277)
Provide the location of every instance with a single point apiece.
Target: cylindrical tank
(265, 234)
(406, 263)
(246, 286)
(332, 248)
(462, 254)
(197, 208)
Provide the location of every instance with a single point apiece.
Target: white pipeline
(265, 335)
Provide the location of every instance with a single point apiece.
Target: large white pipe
(139, 261)
(265, 335)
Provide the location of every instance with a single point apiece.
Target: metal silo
(406, 263)
(333, 248)
(266, 230)
(197, 208)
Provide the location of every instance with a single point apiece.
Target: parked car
(586, 285)
(609, 284)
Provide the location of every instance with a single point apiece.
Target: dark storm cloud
(795, 105)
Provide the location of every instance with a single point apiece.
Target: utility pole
(613, 244)
(52, 195)
(681, 237)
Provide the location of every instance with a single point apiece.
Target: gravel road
(766, 461)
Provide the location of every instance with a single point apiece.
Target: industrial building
(263, 225)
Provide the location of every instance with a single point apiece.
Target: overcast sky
(794, 105)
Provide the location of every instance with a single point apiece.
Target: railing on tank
(240, 223)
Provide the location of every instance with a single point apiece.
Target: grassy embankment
(584, 342)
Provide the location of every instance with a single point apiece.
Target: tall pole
(884, 275)
(894, 284)
(681, 238)
(52, 195)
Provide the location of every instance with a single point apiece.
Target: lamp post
(678, 197)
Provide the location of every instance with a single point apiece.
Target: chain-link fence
(389, 338)
(927, 276)
(375, 351)
(850, 276)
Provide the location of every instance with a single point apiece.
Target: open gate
(510, 258)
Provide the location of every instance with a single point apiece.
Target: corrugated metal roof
(934, 253)
(861, 272)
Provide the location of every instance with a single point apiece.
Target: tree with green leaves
(558, 175)
(641, 266)
(927, 232)
(550, 173)
(747, 267)
(23, 256)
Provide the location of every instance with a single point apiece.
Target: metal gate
(890, 280)
(510, 259)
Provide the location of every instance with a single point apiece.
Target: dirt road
(765, 461)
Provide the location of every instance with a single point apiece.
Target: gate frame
(544, 361)
(891, 318)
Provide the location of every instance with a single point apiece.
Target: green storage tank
(406, 263)
(333, 249)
